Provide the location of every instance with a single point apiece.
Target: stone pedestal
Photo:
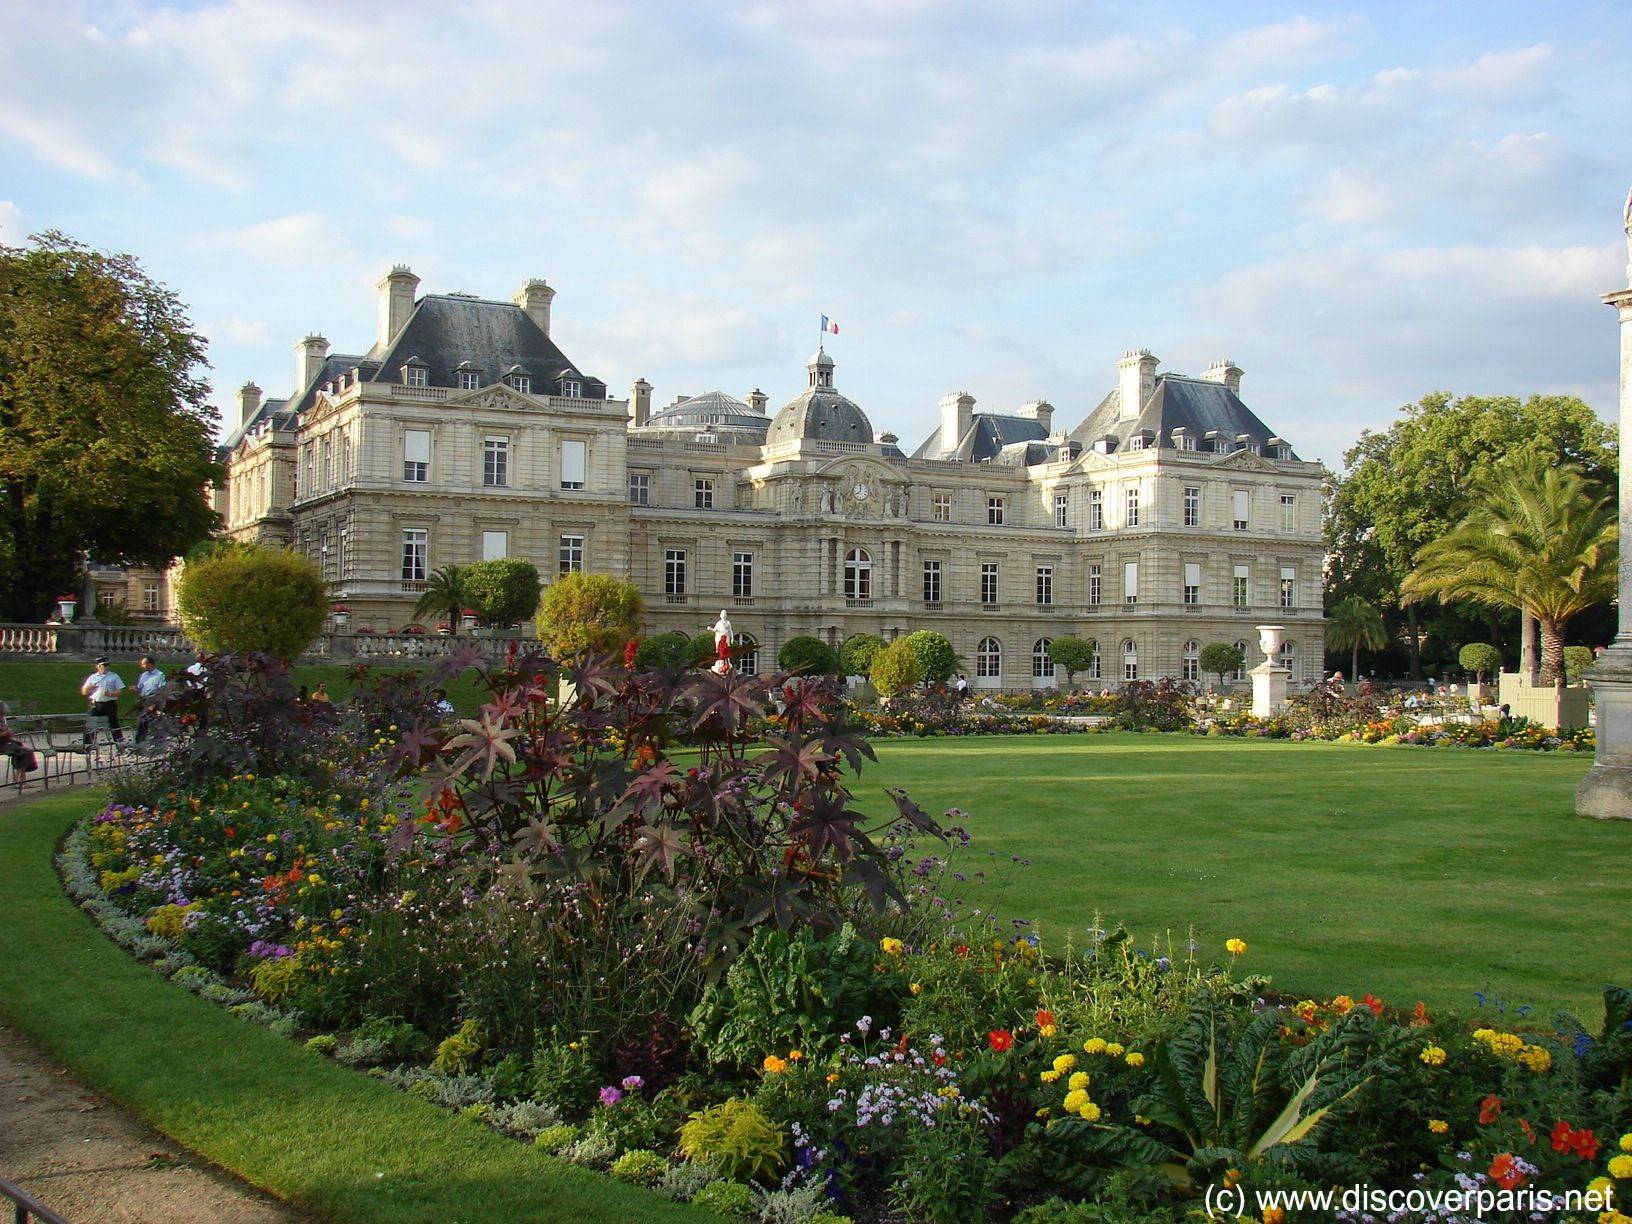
(1268, 689)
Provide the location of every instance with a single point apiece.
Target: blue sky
(1358, 204)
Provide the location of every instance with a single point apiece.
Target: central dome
(820, 413)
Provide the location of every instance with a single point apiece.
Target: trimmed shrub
(735, 1137)
(245, 599)
(1483, 659)
(501, 592)
(1221, 659)
(937, 661)
(810, 655)
(857, 652)
(1576, 661)
(895, 669)
(1071, 655)
(594, 612)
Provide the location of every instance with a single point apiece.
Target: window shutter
(572, 462)
(1192, 573)
(1130, 578)
(416, 445)
(1241, 502)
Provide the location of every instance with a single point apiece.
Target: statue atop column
(722, 643)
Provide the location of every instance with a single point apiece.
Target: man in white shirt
(102, 687)
(149, 682)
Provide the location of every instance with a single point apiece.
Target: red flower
(962, 949)
(1504, 1171)
(1490, 1109)
(629, 649)
(1419, 1016)
(1582, 1143)
(1529, 1131)
(1000, 1039)
(939, 1059)
(1044, 1018)
(1373, 1002)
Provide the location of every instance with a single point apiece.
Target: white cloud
(53, 142)
(13, 229)
(303, 240)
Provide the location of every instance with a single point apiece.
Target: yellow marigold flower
(1483, 1034)
(916, 988)
(1274, 1215)
(1134, 1059)
(1620, 1167)
(1601, 1185)
(1235, 947)
(1075, 1100)
(1048, 1077)
(1089, 1112)
(892, 946)
(1438, 1126)
(1094, 1045)
(774, 1065)
(1343, 1005)
(1048, 1030)
(1433, 1056)
(1065, 1062)
(795, 1055)
(1231, 1176)
(1115, 1049)
(1537, 1058)
(1079, 1079)
(1626, 1142)
(1613, 1217)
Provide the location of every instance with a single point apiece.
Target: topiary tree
(1221, 658)
(594, 612)
(502, 592)
(1480, 658)
(1072, 655)
(936, 658)
(252, 598)
(1576, 661)
(895, 669)
(810, 655)
(857, 652)
(670, 651)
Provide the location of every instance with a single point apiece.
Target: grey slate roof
(270, 410)
(711, 411)
(822, 414)
(1196, 404)
(989, 433)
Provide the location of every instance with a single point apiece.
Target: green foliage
(503, 591)
(246, 599)
(510, 1077)
(323, 1043)
(894, 669)
(937, 661)
(1071, 655)
(588, 612)
(808, 655)
(1481, 658)
(1355, 625)
(1576, 661)
(727, 1198)
(397, 1038)
(672, 651)
(556, 1139)
(275, 977)
(947, 1174)
(735, 1137)
(785, 992)
(641, 1167)
(457, 1054)
(564, 1074)
(631, 1123)
(1221, 659)
(444, 595)
(856, 653)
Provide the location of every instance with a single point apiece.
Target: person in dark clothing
(22, 756)
(102, 688)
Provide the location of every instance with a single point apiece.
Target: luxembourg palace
(1167, 518)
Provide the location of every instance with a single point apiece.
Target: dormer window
(1280, 448)
(1216, 442)
(466, 377)
(571, 388)
(1183, 440)
(1247, 443)
(518, 379)
(415, 373)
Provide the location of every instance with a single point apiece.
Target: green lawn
(322, 1136)
(1412, 873)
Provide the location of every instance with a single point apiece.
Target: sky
(1359, 204)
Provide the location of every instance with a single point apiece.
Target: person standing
(148, 683)
(102, 687)
(962, 687)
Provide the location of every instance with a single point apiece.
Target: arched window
(1093, 660)
(989, 658)
(858, 574)
(1241, 672)
(1192, 660)
(1130, 660)
(745, 653)
(1042, 667)
(1289, 660)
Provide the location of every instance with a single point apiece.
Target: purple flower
(633, 1083)
(611, 1095)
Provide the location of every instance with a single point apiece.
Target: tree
(252, 598)
(936, 658)
(594, 612)
(894, 669)
(1410, 484)
(1071, 654)
(1220, 659)
(1480, 658)
(1352, 624)
(670, 651)
(501, 592)
(1576, 661)
(856, 653)
(106, 442)
(1541, 539)
(809, 655)
(444, 592)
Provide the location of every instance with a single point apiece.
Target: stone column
(1606, 791)
(1269, 678)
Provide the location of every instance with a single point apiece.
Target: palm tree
(444, 592)
(1541, 538)
(1354, 624)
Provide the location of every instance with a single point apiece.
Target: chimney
(757, 400)
(957, 410)
(640, 401)
(1224, 371)
(534, 297)
(309, 355)
(1135, 380)
(1040, 411)
(397, 289)
(249, 402)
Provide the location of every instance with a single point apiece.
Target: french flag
(829, 326)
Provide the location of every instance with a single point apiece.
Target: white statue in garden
(722, 644)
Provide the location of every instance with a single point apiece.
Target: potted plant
(342, 615)
(467, 620)
(67, 605)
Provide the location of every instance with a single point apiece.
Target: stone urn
(1269, 641)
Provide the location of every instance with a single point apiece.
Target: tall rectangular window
(1130, 582)
(1241, 593)
(1131, 519)
(1289, 587)
(941, 507)
(495, 545)
(994, 511)
(574, 463)
(1241, 501)
(640, 488)
(572, 554)
(1062, 505)
(495, 462)
(742, 575)
(415, 544)
(1096, 510)
(1095, 582)
(416, 455)
(1045, 584)
(988, 583)
(932, 582)
(1289, 513)
(150, 597)
(703, 494)
(674, 573)
(1192, 506)
(1192, 582)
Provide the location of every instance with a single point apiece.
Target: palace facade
(1167, 518)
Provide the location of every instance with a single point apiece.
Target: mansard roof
(712, 410)
(989, 433)
(1197, 405)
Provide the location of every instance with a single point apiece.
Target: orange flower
(1490, 1109)
(1419, 1016)
(1044, 1018)
(1505, 1173)
(1373, 1002)
(1000, 1039)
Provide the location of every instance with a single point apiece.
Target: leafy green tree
(809, 655)
(1071, 655)
(503, 591)
(856, 653)
(252, 598)
(106, 442)
(444, 593)
(894, 669)
(670, 651)
(1354, 624)
(1221, 659)
(1482, 659)
(1540, 539)
(937, 661)
(1576, 661)
(1410, 484)
(594, 612)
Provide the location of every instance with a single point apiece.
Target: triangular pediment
(1244, 461)
(862, 468)
(498, 395)
(1092, 461)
